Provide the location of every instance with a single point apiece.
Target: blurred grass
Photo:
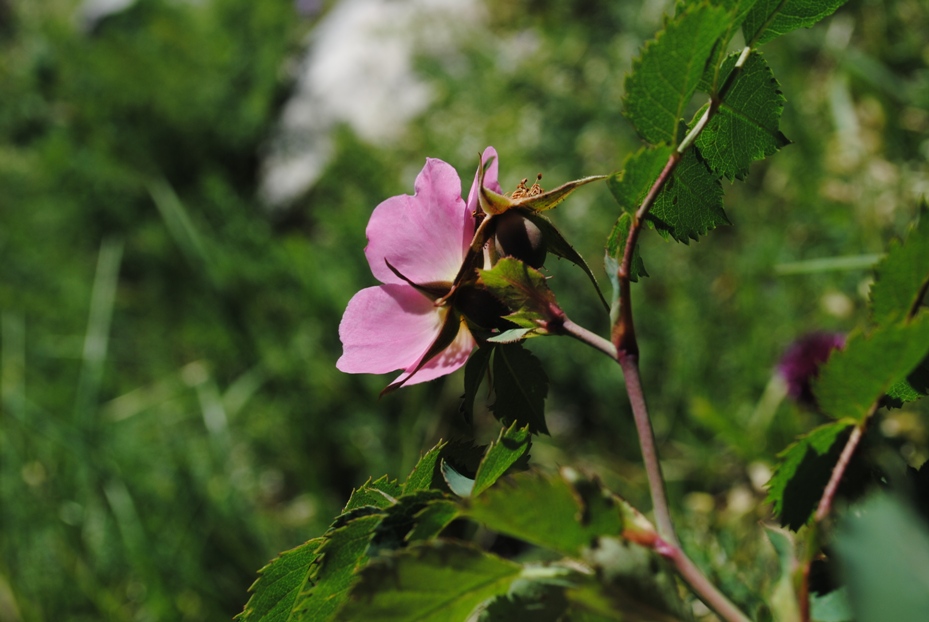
(171, 415)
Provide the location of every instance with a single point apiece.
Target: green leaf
(883, 554)
(782, 598)
(434, 582)
(854, 378)
(640, 170)
(770, 19)
(550, 512)
(831, 607)
(738, 10)
(432, 519)
(520, 387)
(275, 592)
(523, 289)
(399, 519)
(379, 493)
(343, 551)
(423, 476)
(913, 387)
(460, 484)
(804, 470)
(513, 335)
(745, 128)
(538, 601)
(901, 279)
(558, 246)
(475, 372)
(615, 248)
(691, 202)
(665, 76)
(511, 446)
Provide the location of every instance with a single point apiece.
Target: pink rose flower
(424, 238)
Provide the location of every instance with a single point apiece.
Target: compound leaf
(770, 19)
(275, 592)
(745, 128)
(665, 76)
(433, 582)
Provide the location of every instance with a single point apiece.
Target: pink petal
(386, 328)
(424, 236)
(490, 178)
(448, 360)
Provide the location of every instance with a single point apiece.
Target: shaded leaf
(475, 372)
(520, 387)
(665, 76)
(854, 378)
(432, 519)
(615, 247)
(804, 469)
(640, 170)
(275, 592)
(399, 519)
(745, 128)
(770, 19)
(831, 607)
(528, 601)
(434, 582)
(511, 446)
(691, 202)
(558, 246)
(883, 553)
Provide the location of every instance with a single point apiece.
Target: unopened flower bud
(517, 236)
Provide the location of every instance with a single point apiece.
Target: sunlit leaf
(770, 19)
(665, 76)
(902, 278)
(379, 493)
(745, 128)
(854, 378)
(275, 592)
(425, 472)
(511, 446)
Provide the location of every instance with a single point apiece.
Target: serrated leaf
(883, 553)
(665, 76)
(538, 601)
(770, 19)
(745, 128)
(343, 551)
(512, 336)
(423, 475)
(399, 519)
(854, 378)
(520, 387)
(901, 279)
(545, 511)
(640, 170)
(379, 493)
(912, 388)
(279, 583)
(511, 446)
(432, 519)
(558, 246)
(804, 470)
(475, 372)
(691, 202)
(522, 288)
(434, 582)
(738, 10)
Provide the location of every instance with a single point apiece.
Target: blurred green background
(171, 416)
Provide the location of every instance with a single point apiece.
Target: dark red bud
(517, 236)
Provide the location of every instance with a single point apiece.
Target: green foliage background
(159, 445)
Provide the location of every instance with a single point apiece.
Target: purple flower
(802, 361)
(416, 247)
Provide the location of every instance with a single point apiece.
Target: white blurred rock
(358, 70)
